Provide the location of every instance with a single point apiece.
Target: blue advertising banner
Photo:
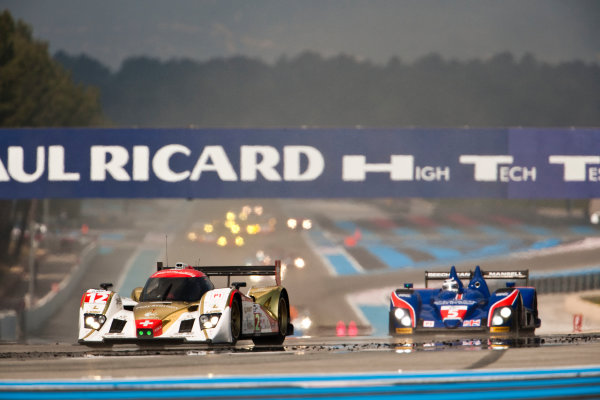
(299, 163)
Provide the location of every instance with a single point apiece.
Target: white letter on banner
(250, 164)
(355, 168)
(56, 165)
(291, 163)
(160, 163)
(220, 164)
(486, 167)
(16, 165)
(141, 163)
(3, 173)
(575, 166)
(99, 166)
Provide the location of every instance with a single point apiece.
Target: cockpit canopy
(188, 289)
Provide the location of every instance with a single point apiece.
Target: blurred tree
(35, 91)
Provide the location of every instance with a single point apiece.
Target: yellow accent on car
(404, 330)
(499, 329)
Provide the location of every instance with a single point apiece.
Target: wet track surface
(298, 355)
(295, 344)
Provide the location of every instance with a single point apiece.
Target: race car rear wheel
(283, 320)
(236, 320)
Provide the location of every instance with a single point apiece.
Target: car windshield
(175, 289)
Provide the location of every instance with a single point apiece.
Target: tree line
(312, 90)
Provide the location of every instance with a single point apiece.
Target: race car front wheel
(236, 320)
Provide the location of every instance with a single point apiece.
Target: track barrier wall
(567, 282)
(14, 324)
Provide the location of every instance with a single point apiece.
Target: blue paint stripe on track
(535, 230)
(390, 256)
(470, 391)
(378, 317)
(535, 384)
(319, 238)
(491, 231)
(403, 377)
(585, 230)
(141, 268)
(406, 232)
(341, 264)
(544, 244)
(111, 236)
(348, 226)
(448, 231)
(569, 272)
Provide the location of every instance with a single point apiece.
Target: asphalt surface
(314, 291)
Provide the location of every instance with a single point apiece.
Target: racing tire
(236, 320)
(283, 320)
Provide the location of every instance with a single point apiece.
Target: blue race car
(501, 307)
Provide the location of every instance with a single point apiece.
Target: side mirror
(106, 286)
(135, 294)
(238, 285)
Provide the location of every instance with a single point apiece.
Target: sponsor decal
(428, 324)
(453, 312)
(505, 274)
(497, 329)
(404, 330)
(456, 302)
(96, 297)
(472, 322)
(145, 306)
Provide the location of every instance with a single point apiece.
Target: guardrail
(11, 322)
(567, 281)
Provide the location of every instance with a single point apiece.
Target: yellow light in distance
(222, 241)
(235, 229)
(239, 241)
(253, 229)
(208, 228)
(192, 236)
(230, 216)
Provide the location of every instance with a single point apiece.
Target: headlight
(406, 321)
(94, 321)
(399, 313)
(208, 321)
(505, 312)
(497, 320)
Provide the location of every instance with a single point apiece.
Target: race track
(354, 254)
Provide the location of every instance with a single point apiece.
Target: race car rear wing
(234, 270)
(467, 275)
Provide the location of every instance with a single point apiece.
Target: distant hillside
(341, 91)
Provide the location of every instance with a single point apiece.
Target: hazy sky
(112, 30)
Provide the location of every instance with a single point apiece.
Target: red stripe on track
(505, 220)
(423, 221)
(462, 220)
(384, 223)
